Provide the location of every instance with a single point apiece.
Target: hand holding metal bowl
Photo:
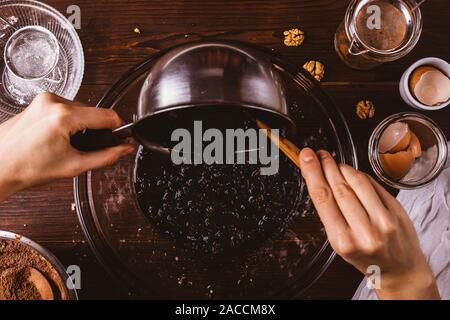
(201, 77)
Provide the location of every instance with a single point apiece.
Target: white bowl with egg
(428, 78)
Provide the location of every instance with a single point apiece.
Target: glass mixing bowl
(151, 266)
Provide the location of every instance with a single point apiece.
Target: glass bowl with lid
(150, 265)
(378, 31)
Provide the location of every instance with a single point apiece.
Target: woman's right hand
(368, 227)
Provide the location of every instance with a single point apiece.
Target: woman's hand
(366, 226)
(35, 145)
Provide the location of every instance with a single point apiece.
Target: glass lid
(166, 250)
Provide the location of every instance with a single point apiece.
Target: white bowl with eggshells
(426, 64)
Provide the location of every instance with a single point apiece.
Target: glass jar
(424, 169)
(378, 31)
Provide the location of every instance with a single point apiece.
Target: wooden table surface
(111, 47)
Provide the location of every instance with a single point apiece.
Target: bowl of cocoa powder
(20, 260)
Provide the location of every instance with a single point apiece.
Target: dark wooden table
(111, 46)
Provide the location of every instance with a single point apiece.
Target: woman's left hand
(35, 145)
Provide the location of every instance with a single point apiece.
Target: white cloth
(429, 209)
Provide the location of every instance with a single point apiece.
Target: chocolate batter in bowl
(274, 247)
(216, 209)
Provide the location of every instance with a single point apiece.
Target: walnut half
(293, 37)
(365, 109)
(315, 68)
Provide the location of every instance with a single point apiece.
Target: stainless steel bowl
(204, 78)
(213, 74)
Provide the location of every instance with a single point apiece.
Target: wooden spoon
(41, 283)
(287, 147)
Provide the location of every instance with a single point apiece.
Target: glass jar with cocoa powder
(378, 31)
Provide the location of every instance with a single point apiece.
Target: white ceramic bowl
(405, 92)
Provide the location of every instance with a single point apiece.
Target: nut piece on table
(365, 109)
(293, 37)
(315, 68)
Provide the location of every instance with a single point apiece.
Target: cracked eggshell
(395, 138)
(415, 146)
(417, 74)
(430, 86)
(397, 165)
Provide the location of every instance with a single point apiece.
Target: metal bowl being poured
(201, 78)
